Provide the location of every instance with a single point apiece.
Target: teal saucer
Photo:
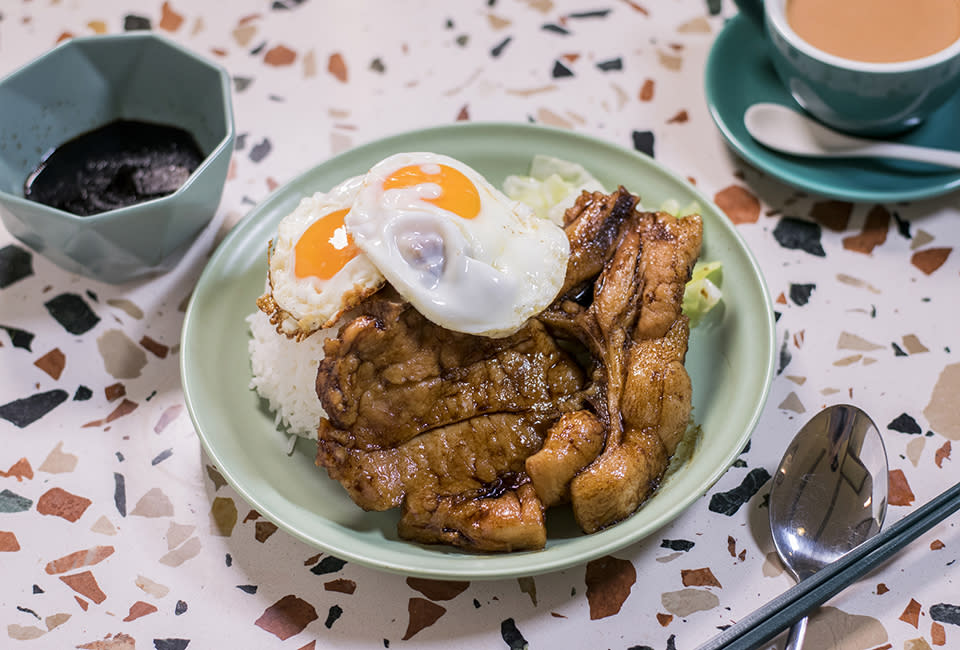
(739, 74)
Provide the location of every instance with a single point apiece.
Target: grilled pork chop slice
(433, 421)
(654, 410)
(460, 457)
(571, 444)
(485, 520)
(391, 375)
(633, 326)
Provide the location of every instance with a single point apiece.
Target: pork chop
(472, 437)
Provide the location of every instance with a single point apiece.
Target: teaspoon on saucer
(784, 129)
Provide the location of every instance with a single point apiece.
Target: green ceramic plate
(730, 361)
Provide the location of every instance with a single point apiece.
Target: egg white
(301, 306)
(485, 276)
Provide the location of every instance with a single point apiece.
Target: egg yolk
(458, 194)
(322, 251)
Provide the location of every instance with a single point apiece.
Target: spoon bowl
(783, 129)
(829, 493)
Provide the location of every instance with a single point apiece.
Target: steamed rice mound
(285, 373)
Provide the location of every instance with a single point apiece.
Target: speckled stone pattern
(117, 532)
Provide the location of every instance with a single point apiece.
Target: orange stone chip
(139, 609)
(52, 363)
(19, 470)
(438, 589)
(279, 55)
(423, 614)
(79, 559)
(900, 492)
(943, 453)
(832, 215)
(874, 232)
(60, 503)
(287, 617)
(341, 585)
(85, 585)
(263, 530)
(609, 581)
(114, 391)
(126, 407)
(699, 578)
(646, 90)
(911, 614)
(156, 347)
(337, 66)
(937, 634)
(739, 204)
(8, 542)
(930, 259)
(170, 20)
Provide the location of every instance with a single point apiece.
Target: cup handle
(752, 9)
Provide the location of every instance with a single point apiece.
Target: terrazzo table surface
(117, 532)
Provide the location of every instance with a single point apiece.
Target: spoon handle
(796, 635)
(911, 152)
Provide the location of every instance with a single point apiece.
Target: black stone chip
(797, 234)
(800, 293)
(560, 70)
(15, 264)
(329, 564)
(905, 424)
(945, 613)
(120, 493)
(498, 49)
(643, 142)
(333, 615)
(72, 311)
(511, 635)
(26, 411)
(19, 338)
(132, 23)
(612, 64)
(727, 503)
(677, 544)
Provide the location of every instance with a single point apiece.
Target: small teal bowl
(87, 82)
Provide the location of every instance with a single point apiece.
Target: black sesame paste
(116, 165)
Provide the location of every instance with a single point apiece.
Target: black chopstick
(789, 607)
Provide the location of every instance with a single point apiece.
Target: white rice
(285, 374)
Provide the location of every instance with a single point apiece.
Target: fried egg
(463, 254)
(316, 272)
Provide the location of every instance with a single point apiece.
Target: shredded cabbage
(672, 206)
(702, 292)
(551, 186)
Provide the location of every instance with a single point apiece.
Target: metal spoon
(829, 494)
(784, 129)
